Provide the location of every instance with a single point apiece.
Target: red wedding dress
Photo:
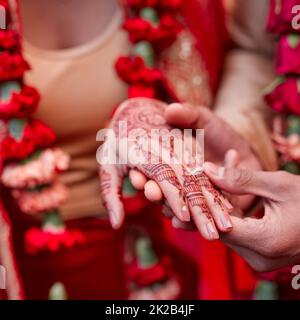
(96, 269)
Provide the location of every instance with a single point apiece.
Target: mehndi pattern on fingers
(148, 114)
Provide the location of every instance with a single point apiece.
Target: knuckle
(239, 177)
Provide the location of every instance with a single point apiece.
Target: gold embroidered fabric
(185, 72)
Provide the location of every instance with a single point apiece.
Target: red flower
(141, 3)
(35, 135)
(167, 31)
(288, 147)
(141, 91)
(9, 39)
(286, 96)
(43, 135)
(139, 29)
(160, 36)
(167, 4)
(281, 16)
(37, 240)
(39, 201)
(12, 149)
(129, 68)
(40, 169)
(172, 4)
(145, 277)
(21, 104)
(12, 66)
(133, 70)
(288, 53)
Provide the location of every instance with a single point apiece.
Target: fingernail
(114, 218)
(226, 223)
(213, 235)
(185, 213)
(175, 224)
(176, 105)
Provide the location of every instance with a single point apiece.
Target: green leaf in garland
(291, 167)
(293, 125)
(266, 290)
(38, 189)
(58, 292)
(150, 15)
(298, 85)
(145, 253)
(128, 189)
(144, 50)
(34, 156)
(7, 89)
(293, 40)
(16, 128)
(52, 219)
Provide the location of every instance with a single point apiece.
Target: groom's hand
(274, 240)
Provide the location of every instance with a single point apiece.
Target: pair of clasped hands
(218, 205)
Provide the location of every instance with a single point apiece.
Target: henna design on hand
(199, 181)
(192, 186)
(203, 181)
(162, 172)
(143, 115)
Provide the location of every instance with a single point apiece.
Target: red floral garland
(284, 94)
(152, 26)
(23, 141)
(13, 66)
(20, 104)
(9, 40)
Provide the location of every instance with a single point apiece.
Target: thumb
(186, 116)
(268, 185)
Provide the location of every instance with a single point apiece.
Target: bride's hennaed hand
(219, 138)
(183, 191)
